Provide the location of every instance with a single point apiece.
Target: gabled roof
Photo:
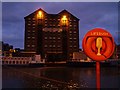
(35, 12)
(65, 11)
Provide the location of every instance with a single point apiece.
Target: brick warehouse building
(53, 36)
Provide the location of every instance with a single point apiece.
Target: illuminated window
(64, 20)
(70, 31)
(58, 46)
(28, 45)
(75, 32)
(28, 37)
(50, 45)
(28, 24)
(58, 37)
(74, 20)
(45, 24)
(75, 25)
(70, 45)
(75, 46)
(45, 37)
(45, 46)
(33, 18)
(29, 21)
(40, 15)
(34, 21)
(28, 30)
(33, 24)
(70, 19)
(33, 30)
(50, 37)
(33, 45)
(33, 37)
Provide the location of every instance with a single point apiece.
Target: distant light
(14, 51)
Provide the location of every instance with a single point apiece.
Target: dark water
(59, 77)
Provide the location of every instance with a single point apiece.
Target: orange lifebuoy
(89, 46)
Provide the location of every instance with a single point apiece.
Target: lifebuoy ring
(89, 46)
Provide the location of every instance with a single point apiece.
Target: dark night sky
(91, 15)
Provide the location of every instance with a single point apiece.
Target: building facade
(53, 36)
(6, 49)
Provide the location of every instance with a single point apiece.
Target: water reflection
(58, 77)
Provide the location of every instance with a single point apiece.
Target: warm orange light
(11, 50)
(64, 20)
(14, 51)
(40, 15)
